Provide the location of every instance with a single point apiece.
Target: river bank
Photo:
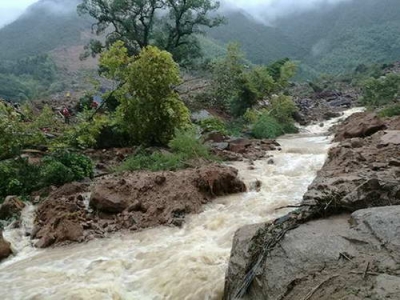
(171, 262)
(338, 245)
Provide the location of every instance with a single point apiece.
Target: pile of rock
(132, 201)
(344, 242)
(237, 149)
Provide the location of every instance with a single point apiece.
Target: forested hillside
(351, 33)
(331, 40)
(45, 26)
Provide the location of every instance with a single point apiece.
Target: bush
(185, 146)
(381, 91)
(213, 124)
(267, 127)
(18, 177)
(15, 134)
(154, 162)
(150, 109)
(54, 172)
(282, 109)
(390, 111)
(80, 165)
(85, 133)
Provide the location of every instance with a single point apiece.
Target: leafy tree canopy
(150, 111)
(168, 24)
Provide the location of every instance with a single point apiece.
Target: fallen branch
(366, 270)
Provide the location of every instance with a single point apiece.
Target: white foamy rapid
(169, 263)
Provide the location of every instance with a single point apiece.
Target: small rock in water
(256, 186)
(271, 162)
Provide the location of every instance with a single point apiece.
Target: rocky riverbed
(344, 240)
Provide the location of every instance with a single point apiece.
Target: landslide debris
(338, 244)
(132, 201)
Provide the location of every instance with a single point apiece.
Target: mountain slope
(262, 44)
(330, 40)
(46, 25)
(351, 33)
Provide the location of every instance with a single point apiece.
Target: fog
(269, 10)
(10, 10)
(264, 10)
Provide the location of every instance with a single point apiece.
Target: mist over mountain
(327, 36)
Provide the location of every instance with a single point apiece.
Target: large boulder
(5, 247)
(353, 256)
(360, 125)
(12, 206)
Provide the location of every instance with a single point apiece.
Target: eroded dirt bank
(77, 212)
(338, 245)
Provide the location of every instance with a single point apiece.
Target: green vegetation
(266, 127)
(150, 111)
(41, 30)
(213, 124)
(26, 78)
(237, 86)
(170, 25)
(19, 177)
(390, 111)
(185, 147)
(381, 91)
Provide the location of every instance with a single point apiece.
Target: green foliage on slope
(41, 29)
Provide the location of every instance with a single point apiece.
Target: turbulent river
(164, 262)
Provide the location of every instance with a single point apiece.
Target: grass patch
(390, 111)
(185, 146)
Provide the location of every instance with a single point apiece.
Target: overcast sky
(11, 9)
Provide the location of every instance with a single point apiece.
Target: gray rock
(390, 137)
(220, 146)
(334, 258)
(200, 115)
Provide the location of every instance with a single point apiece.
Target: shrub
(236, 127)
(18, 177)
(80, 165)
(154, 162)
(381, 91)
(185, 146)
(85, 133)
(213, 124)
(150, 109)
(282, 108)
(15, 134)
(56, 173)
(267, 127)
(390, 111)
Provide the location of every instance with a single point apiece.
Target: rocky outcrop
(236, 149)
(130, 201)
(5, 247)
(312, 253)
(353, 256)
(11, 207)
(360, 125)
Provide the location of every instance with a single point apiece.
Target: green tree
(168, 24)
(227, 75)
(150, 110)
(381, 91)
